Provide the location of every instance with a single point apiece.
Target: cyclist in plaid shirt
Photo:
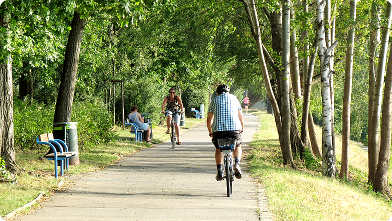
(225, 120)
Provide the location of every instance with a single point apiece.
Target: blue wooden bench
(197, 113)
(135, 130)
(58, 152)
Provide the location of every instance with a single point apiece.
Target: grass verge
(305, 194)
(38, 173)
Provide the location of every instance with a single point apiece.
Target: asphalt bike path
(161, 184)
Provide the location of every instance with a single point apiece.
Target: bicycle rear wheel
(231, 173)
(228, 176)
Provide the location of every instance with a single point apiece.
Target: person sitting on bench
(136, 118)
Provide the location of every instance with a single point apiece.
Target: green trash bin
(67, 131)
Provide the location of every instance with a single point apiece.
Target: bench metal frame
(59, 155)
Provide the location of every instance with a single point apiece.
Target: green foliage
(31, 120)
(192, 97)
(94, 123)
(311, 162)
(148, 96)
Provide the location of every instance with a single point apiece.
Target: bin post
(202, 110)
(67, 131)
(182, 121)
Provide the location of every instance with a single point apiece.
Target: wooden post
(122, 104)
(114, 102)
(110, 98)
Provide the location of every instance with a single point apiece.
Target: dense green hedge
(30, 120)
(94, 123)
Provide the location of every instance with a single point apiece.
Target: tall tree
(307, 124)
(329, 24)
(285, 80)
(7, 148)
(113, 8)
(374, 146)
(328, 155)
(381, 176)
(68, 78)
(294, 63)
(347, 90)
(250, 8)
(373, 44)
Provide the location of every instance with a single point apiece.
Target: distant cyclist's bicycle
(173, 135)
(227, 146)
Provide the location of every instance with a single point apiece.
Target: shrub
(30, 121)
(193, 97)
(94, 123)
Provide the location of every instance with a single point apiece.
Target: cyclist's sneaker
(237, 171)
(219, 176)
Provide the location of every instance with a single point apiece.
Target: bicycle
(227, 147)
(173, 135)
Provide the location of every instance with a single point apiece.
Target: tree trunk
(381, 177)
(250, 8)
(313, 136)
(251, 11)
(373, 44)
(347, 90)
(7, 148)
(330, 37)
(68, 78)
(285, 84)
(373, 147)
(297, 146)
(305, 35)
(329, 168)
(294, 64)
(306, 99)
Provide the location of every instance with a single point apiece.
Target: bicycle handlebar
(173, 112)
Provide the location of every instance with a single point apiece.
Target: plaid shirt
(225, 109)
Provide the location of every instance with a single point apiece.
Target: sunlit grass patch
(304, 194)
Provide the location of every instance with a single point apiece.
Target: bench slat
(51, 155)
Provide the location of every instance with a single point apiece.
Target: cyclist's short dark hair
(172, 89)
(223, 88)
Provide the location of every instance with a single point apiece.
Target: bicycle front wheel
(173, 136)
(228, 176)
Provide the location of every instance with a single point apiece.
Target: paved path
(159, 184)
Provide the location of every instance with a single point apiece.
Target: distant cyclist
(225, 120)
(173, 103)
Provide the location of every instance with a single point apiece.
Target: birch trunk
(347, 90)
(328, 155)
(330, 37)
(373, 146)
